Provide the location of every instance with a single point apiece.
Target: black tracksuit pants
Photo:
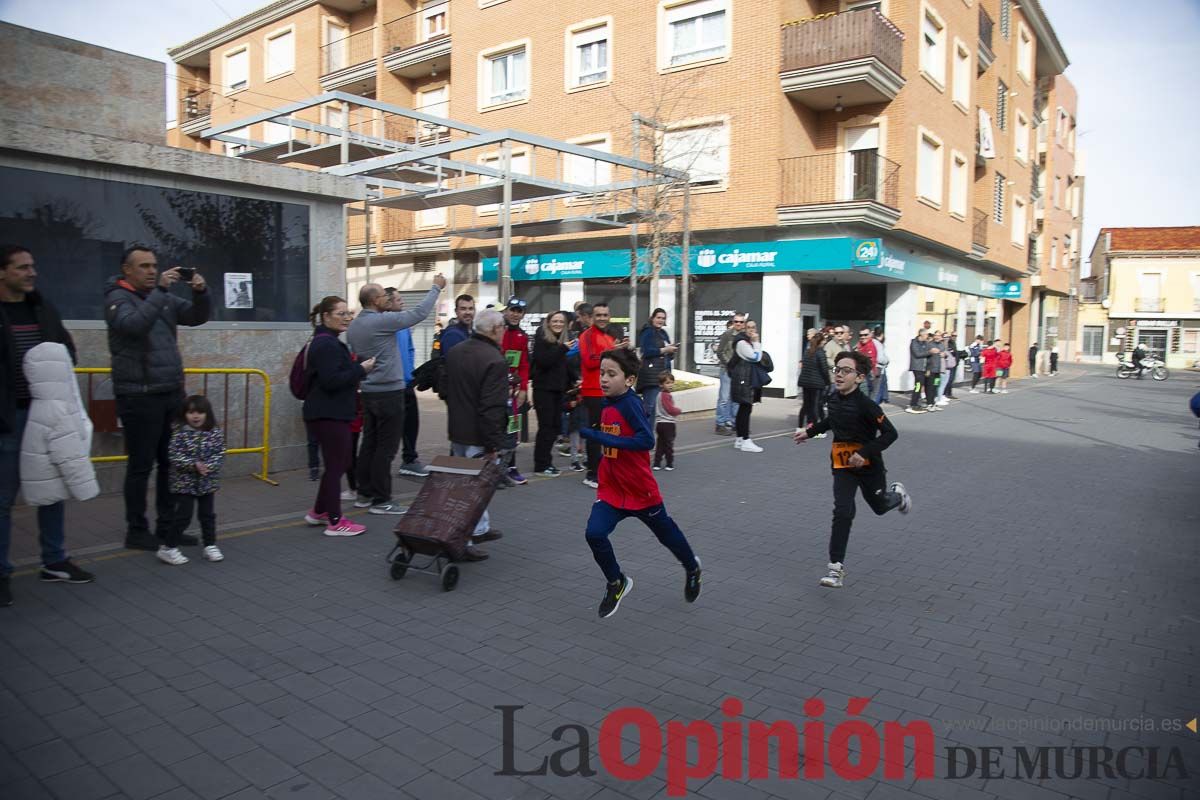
(872, 481)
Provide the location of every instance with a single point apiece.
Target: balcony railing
(431, 23)
(842, 37)
(979, 229)
(194, 104)
(860, 176)
(1150, 305)
(348, 51)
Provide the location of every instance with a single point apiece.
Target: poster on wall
(714, 301)
(239, 290)
(707, 326)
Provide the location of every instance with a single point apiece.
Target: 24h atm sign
(854, 749)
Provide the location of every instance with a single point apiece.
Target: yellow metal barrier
(264, 447)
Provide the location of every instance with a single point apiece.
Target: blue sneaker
(516, 477)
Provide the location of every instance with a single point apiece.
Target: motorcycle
(1151, 363)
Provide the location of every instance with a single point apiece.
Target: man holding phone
(147, 374)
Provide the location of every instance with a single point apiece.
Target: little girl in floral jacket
(196, 453)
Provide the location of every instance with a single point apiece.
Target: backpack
(299, 378)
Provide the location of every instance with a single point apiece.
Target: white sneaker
(905, 500)
(1004, 391)
(836, 577)
(737, 443)
(973, 391)
(748, 446)
(171, 555)
(941, 401)
(349, 494)
(213, 553)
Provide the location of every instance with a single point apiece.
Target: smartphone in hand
(186, 273)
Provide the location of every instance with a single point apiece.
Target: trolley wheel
(399, 567)
(449, 577)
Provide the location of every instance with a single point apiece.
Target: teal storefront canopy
(793, 255)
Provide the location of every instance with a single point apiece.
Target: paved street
(1042, 593)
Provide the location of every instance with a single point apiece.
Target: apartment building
(870, 163)
(1144, 289)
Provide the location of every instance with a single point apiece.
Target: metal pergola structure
(432, 167)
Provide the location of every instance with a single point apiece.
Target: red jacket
(625, 436)
(517, 340)
(592, 344)
(989, 356)
(868, 348)
(1004, 359)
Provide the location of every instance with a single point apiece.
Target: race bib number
(615, 430)
(514, 423)
(513, 357)
(841, 454)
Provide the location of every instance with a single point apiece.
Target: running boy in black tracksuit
(861, 432)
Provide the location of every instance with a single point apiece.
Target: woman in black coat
(329, 408)
(814, 380)
(747, 351)
(551, 378)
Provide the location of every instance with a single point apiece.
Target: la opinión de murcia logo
(853, 750)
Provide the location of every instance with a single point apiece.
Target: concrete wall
(266, 346)
(62, 83)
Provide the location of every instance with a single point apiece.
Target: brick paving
(1047, 573)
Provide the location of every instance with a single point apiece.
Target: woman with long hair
(551, 379)
(747, 351)
(329, 408)
(657, 354)
(814, 381)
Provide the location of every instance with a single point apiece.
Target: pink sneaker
(345, 527)
(313, 518)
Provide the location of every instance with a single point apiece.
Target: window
(1002, 105)
(431, 217)
(437, 103)
(506, 77)
(959, 184)
(933, 47)
(424, 263)
(1024, 52)
(583, 171)
(275, 132)
(1054, 254)
(1058, 192)
(930, 305)
(1196, 291)
(587, 56)
(929, 168)
(694, 31)
(280, 56)
(1022, 138)
(1005, 18)
(1060, 125)
(1068, 251)
(1189, 342)
(237, 70)
(435, 19)
(232, 149)
(962, 75)
(518, 165)
(998, 200)
(337, 45)
(1071, 135)
(861, 167)
(702, 150)
(1020, 232)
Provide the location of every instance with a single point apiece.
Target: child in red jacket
(627, 487)
(1004, 362)
(989, 355)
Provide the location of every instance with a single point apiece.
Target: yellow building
(1146, 284)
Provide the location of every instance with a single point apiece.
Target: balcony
(852, 58)
(979, 233)
(1150, 305)
(417, 44)
(195, 111)
(856, 187)
(984, 54)
(349, 62)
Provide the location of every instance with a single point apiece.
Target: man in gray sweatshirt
(372, 334)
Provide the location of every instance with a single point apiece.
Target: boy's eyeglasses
(845, 371)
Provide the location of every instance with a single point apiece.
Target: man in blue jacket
(410, 462)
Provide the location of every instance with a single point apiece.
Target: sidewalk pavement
(1041, 593)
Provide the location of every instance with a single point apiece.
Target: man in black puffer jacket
(147, 375)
